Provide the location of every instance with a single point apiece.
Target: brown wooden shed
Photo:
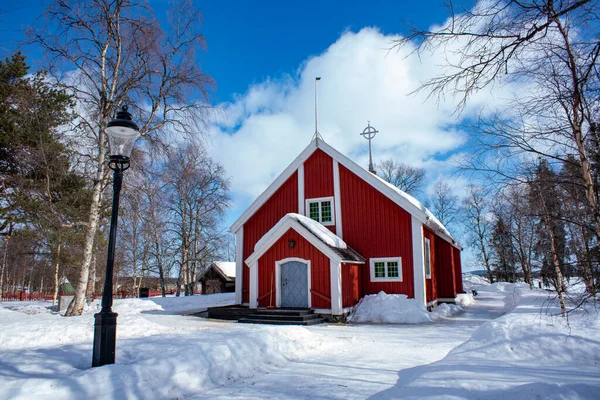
(219, 277)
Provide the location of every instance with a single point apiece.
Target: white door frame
(278, 265)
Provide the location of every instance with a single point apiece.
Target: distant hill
(479, 272)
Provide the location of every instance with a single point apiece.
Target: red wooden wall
(351, 284)
(431, 284)
(458, 283)
(375, 226)
(320, 280)
(318, 177)
(282, 202)
(445, 276)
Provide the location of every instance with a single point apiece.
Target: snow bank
(465, 299)
(382, 308)
(47, 328)
(444, 310)
(471, 282)
(389, 309)
(44, 355)
(524, 354)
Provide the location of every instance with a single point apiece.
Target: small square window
(386, 269)
(321, 210)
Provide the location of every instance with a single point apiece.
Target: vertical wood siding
(431, 284)
(445, 268)
(351, 284)
(282, 202)
(318, 178)
(376, 227)
(457, 271)
(320, 279)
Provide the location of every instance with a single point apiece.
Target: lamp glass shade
(121, 139)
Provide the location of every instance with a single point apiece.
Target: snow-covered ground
(501, 346)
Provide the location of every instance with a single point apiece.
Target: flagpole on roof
(317, 135)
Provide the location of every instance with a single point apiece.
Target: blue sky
(264, 56)
(250, 41)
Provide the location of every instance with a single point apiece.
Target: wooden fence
(24, 296)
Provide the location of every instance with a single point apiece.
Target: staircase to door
(282, 317)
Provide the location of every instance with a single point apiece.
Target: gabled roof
(224, 268)
(403, 199)
(322, 238)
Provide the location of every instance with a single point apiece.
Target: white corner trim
(319, 200)
(426, 255)
(301, 189)
(418, 261)
(338, 198)
(335, 270)
(284, 176)
(278, 288)
(254, 285)
(282, 227)
(372, 262)
(239, 265)
(353, 167)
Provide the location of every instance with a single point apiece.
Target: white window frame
(319, 200)
(427, 256)
(386, 260)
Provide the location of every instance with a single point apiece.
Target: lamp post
(122, 133)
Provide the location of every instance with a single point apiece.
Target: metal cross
(369, 133)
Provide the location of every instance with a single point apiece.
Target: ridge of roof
(403, 199)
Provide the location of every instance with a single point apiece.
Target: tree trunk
(588, 270)
(3, 266)
(56, 270)
(76, 306)
(91, 287)
(556, 262)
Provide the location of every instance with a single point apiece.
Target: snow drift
(158, 356)
(382, 308)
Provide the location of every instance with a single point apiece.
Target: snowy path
(527, 353)
(368, 363)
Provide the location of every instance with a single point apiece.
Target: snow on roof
(404, 200)
(417, 204)
(324, 234)
(226, 267)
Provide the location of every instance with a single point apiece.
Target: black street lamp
(122, 134)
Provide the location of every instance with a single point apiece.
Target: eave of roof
(404, 200)
(346, 255)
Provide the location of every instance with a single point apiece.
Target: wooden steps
(282, 317)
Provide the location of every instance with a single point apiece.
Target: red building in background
(327, 232)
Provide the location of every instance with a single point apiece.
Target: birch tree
(109, 52)
(198, 194)
(548, 48)
(444, 203)
(479, 224)
(403, 176)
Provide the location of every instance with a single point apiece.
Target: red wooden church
(327, 232)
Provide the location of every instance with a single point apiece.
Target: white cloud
(259, 134)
